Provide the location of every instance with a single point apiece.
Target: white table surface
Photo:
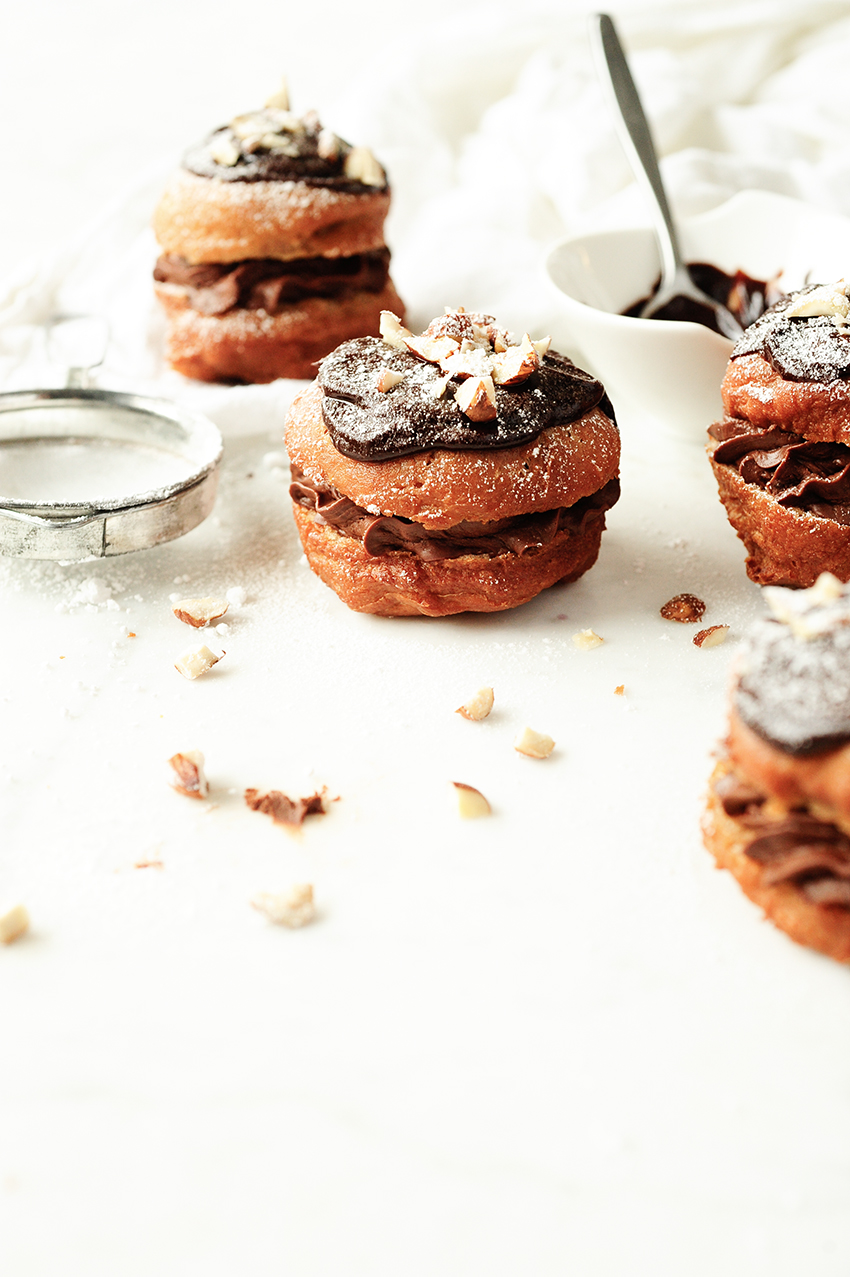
(553, 1041)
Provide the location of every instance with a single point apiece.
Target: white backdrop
(552, 1042)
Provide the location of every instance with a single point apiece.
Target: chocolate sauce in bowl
(745, 297)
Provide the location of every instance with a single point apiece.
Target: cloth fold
(498, 140)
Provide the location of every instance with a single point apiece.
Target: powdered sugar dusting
(794, 687)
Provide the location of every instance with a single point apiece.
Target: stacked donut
(272, 249)
(778, 814)
(454, 471)
(781, 456)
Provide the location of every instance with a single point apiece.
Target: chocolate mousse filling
(797, 472)
(383, 534)
(215, 289)
(812, 854)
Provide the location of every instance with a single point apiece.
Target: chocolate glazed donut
(272, 249)
(781, 455)
(407, 506)
(778, 809)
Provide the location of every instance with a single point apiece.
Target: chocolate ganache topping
(275, 145)
(804, 337)
(270, 285)
(382, 534)
(794, 684)
(804, 475)
(420, 411)
(813, 854)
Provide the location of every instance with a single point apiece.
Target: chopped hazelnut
(188, 774)
(280, 99)
(284, 810)
(470, 802)
(586, 640)
(431, 349)
(516, 364)
(292, 908)
(328, 145)
(393, 331)
(199, 612)
(686, 608)
(533, 744)
(478, 706)
(712, 637)
(387, 379)
(195, 661)
(224, 152)
(476, 399)
(13, 923)
(361, 166)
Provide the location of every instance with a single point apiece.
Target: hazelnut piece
(686, 608)
(13, 923)
(199, 612)
(712, 637)
(188, 774)
(478, 706)
(533, 744)
(476, 399)
(292, 908)
(470, 802)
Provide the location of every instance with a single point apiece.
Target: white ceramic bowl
(671, 372)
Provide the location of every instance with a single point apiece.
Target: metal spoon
(634, 133)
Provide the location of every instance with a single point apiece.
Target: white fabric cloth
(498, 140)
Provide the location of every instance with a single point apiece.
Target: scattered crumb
(130, 634)
(686, 608)
(236, 595)
(469, 803)
(586, 640)
(284, 810)
(533, 744)
(712, 637)
(292, 908)
(149, 864)
(621, 690)
(13, 923)
(478, 706)
(188, 774)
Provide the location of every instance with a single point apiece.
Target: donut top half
(787, 398)
(462, 385)
(793, 687)
(276, 145)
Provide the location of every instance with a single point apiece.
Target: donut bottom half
(400, 584)
(253, 346)
(825, 928)
(785, 546)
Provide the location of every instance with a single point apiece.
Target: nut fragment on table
(586, 640)
(712, 637)
(199, 612)
(478, 706)
(620, 690)
(533, 744)
(283, 809)
(291, 908)
(686, 608)
(188, 774)
(469, 802)
(195, 661)
(13, 923)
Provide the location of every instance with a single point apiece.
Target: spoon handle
(634, 133)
